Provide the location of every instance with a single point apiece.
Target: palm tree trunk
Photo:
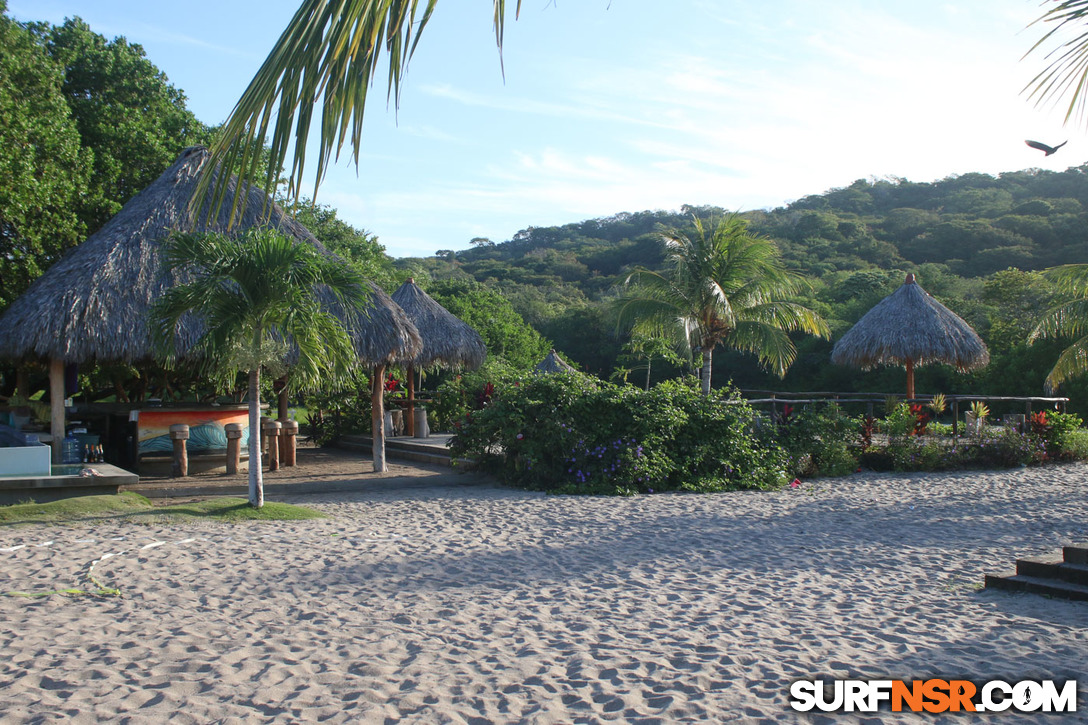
(377, 418)
(708, 357)
(648, 361)
(256, 484)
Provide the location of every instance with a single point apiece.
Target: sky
(607, 106)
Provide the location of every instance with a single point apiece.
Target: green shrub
(570, 433)
(818, 439)
(899, 422)
(1064, 437)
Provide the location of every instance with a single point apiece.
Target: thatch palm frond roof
(909, 325)
(552, 363)
(92, 304)
(447, 340)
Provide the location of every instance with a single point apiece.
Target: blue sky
(626, 105)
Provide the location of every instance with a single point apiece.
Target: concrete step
(1053, 569)
(431, 451)
(1075, 554)
(1038, 585)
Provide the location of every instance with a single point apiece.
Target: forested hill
(974, 224)
(958, 234)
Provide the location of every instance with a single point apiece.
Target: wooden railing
(774, 399)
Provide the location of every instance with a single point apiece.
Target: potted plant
(976, 417)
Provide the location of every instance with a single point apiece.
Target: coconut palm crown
(725, 288)
(258, 300)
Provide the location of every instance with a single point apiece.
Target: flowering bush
(571, 433)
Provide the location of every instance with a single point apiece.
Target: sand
(432, 598)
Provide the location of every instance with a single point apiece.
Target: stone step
(1038, 585)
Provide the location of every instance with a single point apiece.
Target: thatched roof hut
(909, 327)
(91, 305)
(552, 363)
(447, 340)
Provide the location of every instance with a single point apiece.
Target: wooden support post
(271, 431)
(410, 417)
(377, 418)
(282, 399)
(288, 436)
(265, 420)
(179, 433)
(22, 383)
(955, 417)
(56, 407)
(910, 381)
(234, 447)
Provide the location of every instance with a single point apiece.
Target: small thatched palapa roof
(909, 327)
(447, 340)
(552, 363)
(92, 304)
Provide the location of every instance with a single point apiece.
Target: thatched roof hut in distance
(447, 340)
(91, 305)
(552, 363)
(909, 327)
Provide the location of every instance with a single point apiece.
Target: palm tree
(259, 298)
(330, 53)
(729, 289)
(1068, 319)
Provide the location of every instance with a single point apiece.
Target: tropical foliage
(85, 124)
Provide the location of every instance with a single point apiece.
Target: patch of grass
(133, 507)
(237, 509)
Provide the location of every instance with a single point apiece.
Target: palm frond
(1073, 362)
(1067, 71)
(329, 54)
(772, 346)
(1065, 320)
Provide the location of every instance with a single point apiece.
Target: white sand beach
(453, 600)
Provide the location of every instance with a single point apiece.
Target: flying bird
(1043, 147)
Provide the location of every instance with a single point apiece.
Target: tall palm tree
(259, 298)
(330, 53)
(725, 288)
(1068, 319)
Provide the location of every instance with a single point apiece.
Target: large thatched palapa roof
(447, 340)
(91, 305)
(910, 326)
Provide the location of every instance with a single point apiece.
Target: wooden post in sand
(377, 418)
(234, 447)
(179, 433)
(288, 435)
(271, 432)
